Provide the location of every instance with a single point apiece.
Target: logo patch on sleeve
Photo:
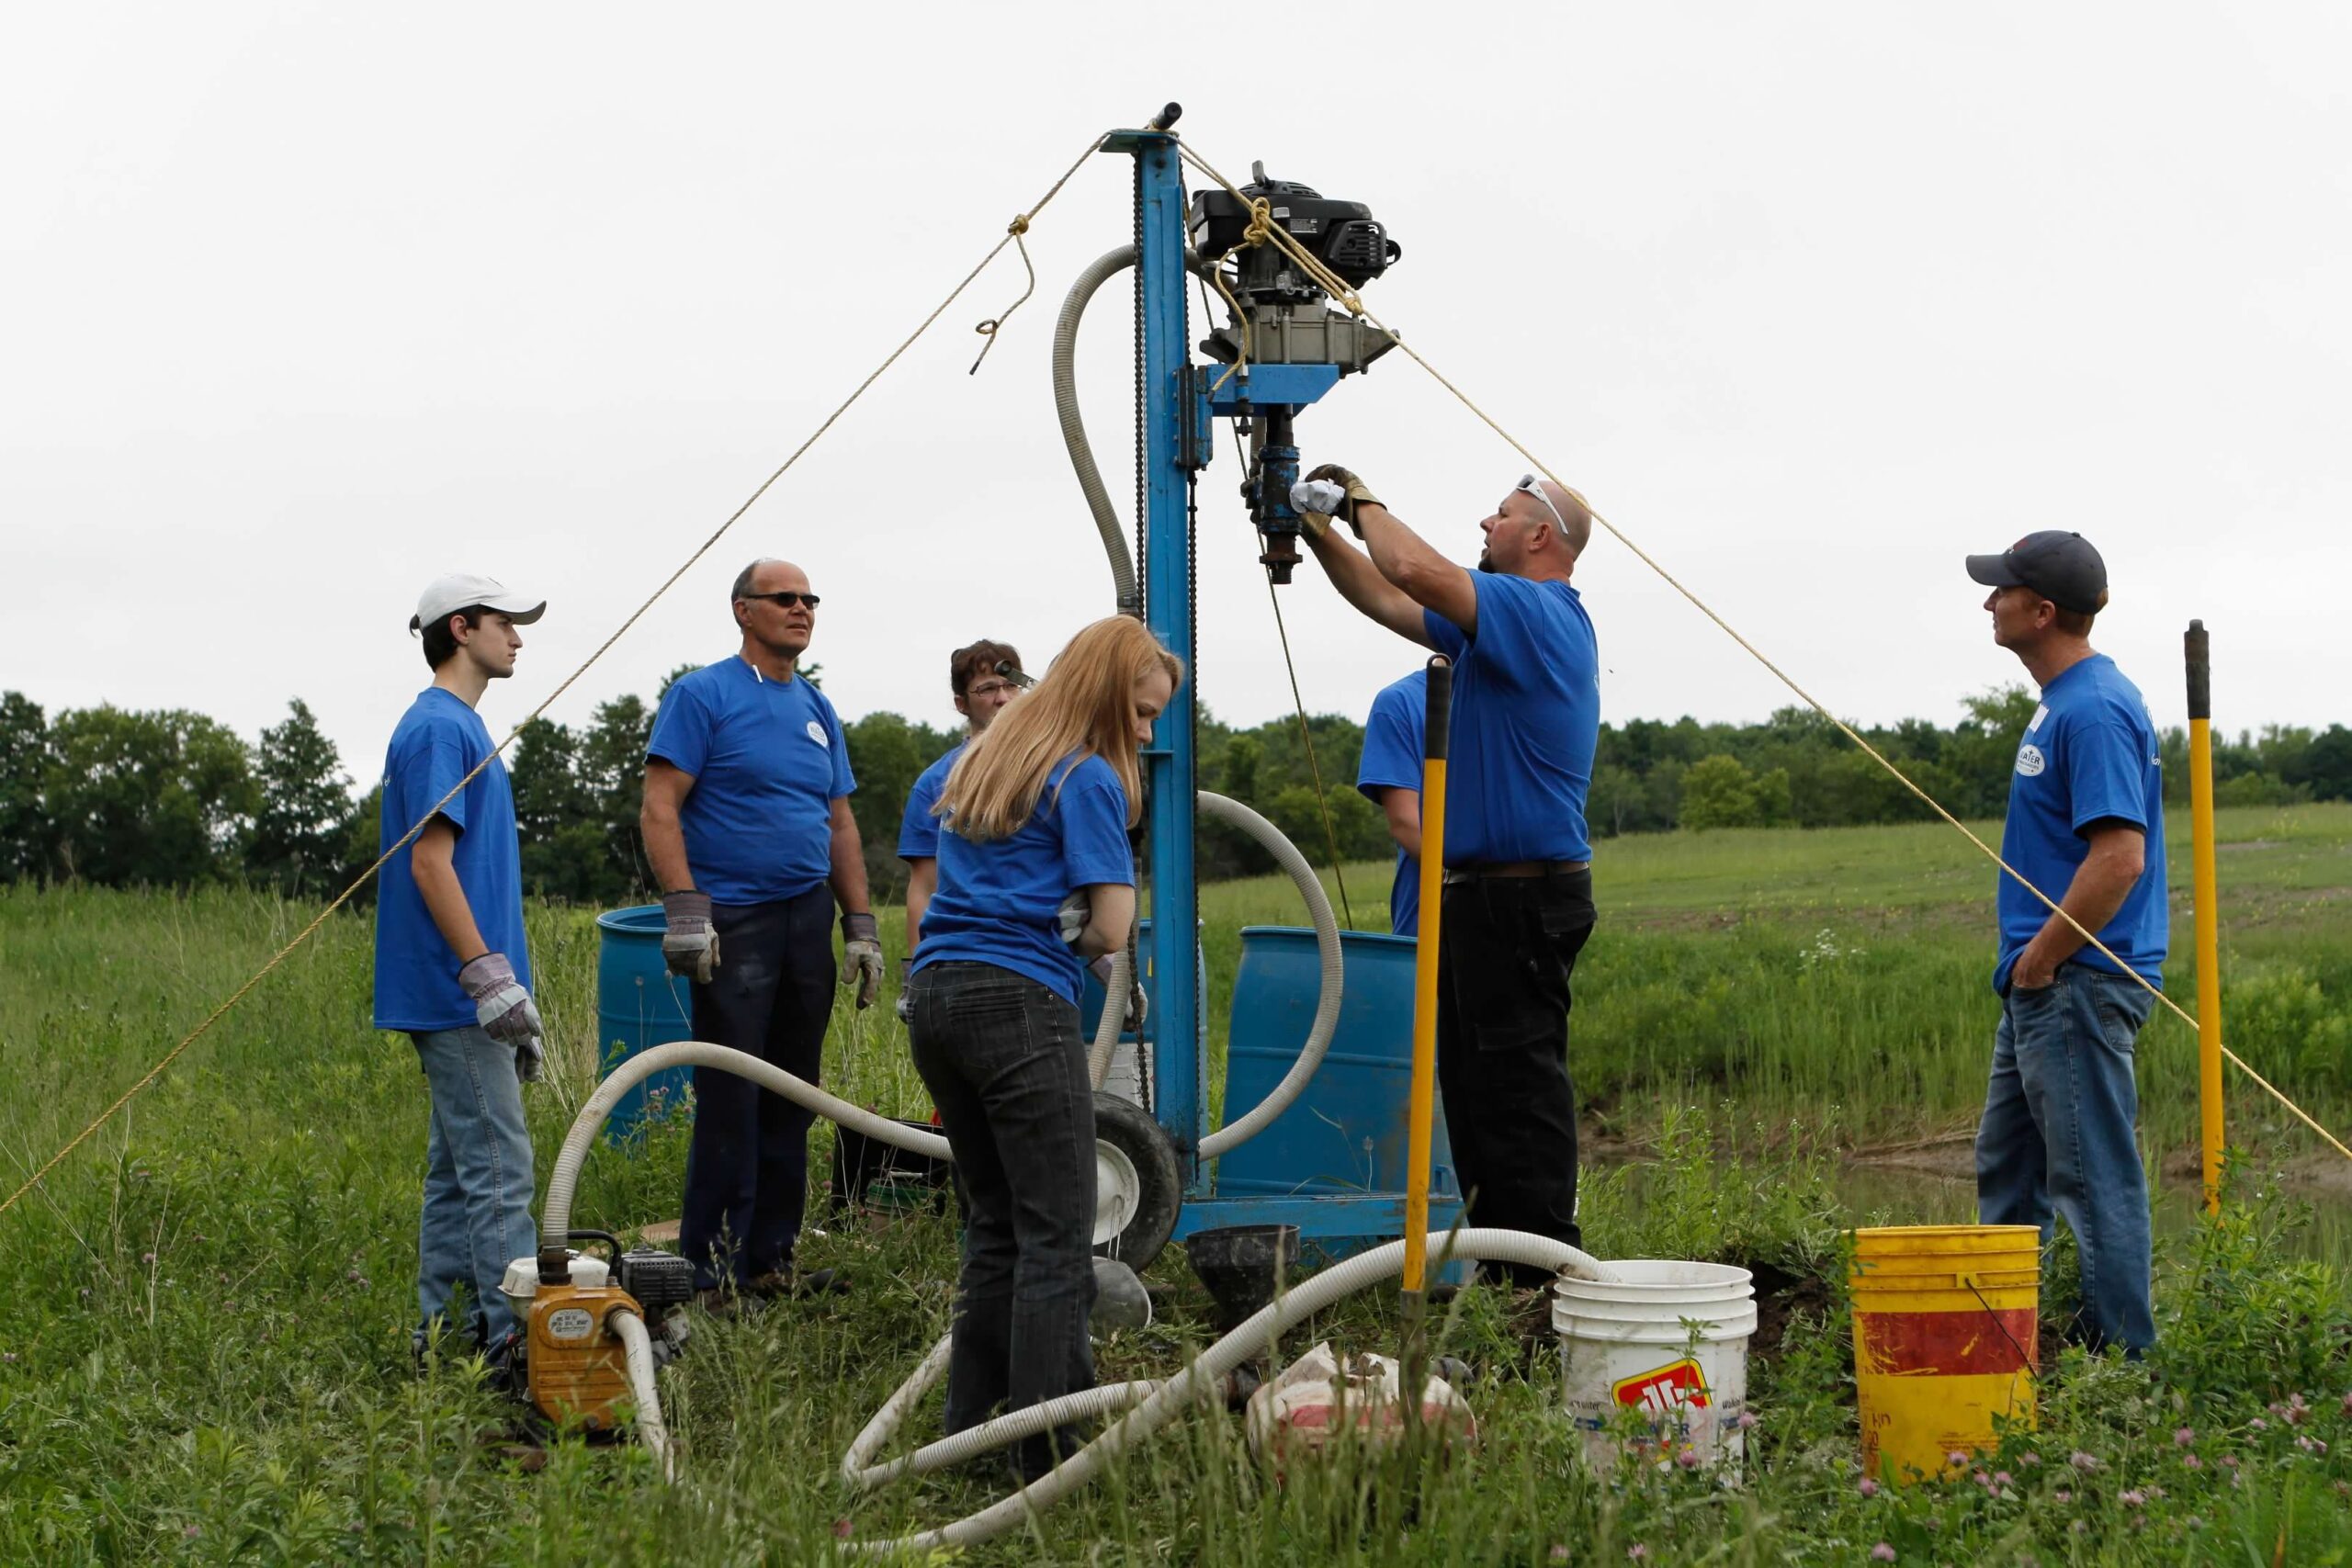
(817, 733)
(2030, 762)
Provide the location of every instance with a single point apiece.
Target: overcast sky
(308, 304)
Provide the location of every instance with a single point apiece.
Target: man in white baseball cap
(462, 590)
(452, 971)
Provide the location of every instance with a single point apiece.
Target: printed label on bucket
(1664, 1391)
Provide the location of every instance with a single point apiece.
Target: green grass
(1845, 975)
(205, 1338)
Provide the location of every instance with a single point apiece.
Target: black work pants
(1506, 948)
(747, 1169)
(1006, 1065)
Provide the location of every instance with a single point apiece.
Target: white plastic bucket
(1667, 1340)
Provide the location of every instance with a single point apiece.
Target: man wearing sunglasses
(1518, 891)
(748, 828)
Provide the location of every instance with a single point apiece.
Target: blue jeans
(1006, 1065)
(2058, 1132)
(477, 1178)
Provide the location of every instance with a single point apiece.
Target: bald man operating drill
(1518, 890)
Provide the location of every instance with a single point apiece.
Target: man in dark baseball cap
(2060, 566)
(2086, 825)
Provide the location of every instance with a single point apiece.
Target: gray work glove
(1138, 1000)
(506, 1011)
(689, 943)
(862, 957)
(1071, 919)
(905, 1006)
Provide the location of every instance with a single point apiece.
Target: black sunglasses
(786, 598)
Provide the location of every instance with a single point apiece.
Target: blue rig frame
(1179, 408)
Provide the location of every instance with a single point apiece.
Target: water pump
(577, 1345)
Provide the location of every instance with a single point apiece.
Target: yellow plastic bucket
(1946, 1324)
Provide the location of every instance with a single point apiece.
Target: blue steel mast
(1173, 963)
(1179, 404)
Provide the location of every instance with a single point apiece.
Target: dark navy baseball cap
(2059, 566)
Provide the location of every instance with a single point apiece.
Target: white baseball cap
(462, 590)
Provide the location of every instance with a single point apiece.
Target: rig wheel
(1137, 1190)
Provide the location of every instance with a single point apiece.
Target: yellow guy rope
(1337, 289)
(1013, 232)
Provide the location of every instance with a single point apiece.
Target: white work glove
(1316, 501)
(862, 957)
(689, 943)
(506, 1011)
(1075, 915)
(1138, 1000)
(1318, 498)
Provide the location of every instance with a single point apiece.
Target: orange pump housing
(579, 1369)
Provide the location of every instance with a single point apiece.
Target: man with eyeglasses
(1518, 890)
(748, 828)
(980, 695)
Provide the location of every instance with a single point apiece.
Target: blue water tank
(1346, 1132)
(639, 1005)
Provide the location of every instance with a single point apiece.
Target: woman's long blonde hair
(1084, 706)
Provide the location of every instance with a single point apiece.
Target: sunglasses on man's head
(786, 598)
(1535, 487)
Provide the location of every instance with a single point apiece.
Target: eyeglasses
(1535, 487)
(786, 598)
(989, 688)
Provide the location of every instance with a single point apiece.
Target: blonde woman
(1035, 818)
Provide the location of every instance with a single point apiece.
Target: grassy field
(1843, 977)
(204, 1355)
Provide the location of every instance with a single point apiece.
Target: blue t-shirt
(919, 829)
(1391, 760)
(437, 743)
(1526, 720)
(996, 901)
(2089, 755)
(768, 760)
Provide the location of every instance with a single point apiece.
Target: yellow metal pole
(1421, 1115)
(2208, 939)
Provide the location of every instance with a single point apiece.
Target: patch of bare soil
(2319, 1174)
(1781, 1296)
(1951, 1154)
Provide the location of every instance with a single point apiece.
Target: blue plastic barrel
(639, 1005)
(1346, 1132)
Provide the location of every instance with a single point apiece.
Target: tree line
(171, 797)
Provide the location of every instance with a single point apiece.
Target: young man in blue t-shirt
(1389, 775)
(452, 971)
(1518, 904)
(2087, 827)
(980, 695)
(748, 828)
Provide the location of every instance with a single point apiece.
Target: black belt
(1456, 875)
